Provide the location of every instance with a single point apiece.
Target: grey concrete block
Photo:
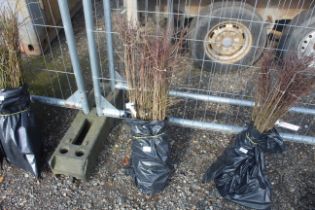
(77, 153)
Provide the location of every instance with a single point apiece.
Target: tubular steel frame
(78, 99)
(106, 109)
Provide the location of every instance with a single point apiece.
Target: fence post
(66, 20)
(94, 61)
(108, 31)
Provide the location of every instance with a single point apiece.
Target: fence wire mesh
(223, 50)
(51, 73)
(48, 67)
(221, 56)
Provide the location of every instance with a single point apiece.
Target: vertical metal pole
(94, 60)
(170, 11)
(66, 20)
(108, 31)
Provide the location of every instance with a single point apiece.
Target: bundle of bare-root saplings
(239, 173)
(19, 140)
(150, 62)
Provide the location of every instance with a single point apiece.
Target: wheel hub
(228, 42)
(306, 46)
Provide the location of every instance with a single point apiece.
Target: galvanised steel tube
(232, 129)
(235, 129)
(205, 125)
(210, 98)
(109, 42)
(94, 60)
(66, 20)
(48, 100)
(231, 101)
(56, 102)
(219, 99)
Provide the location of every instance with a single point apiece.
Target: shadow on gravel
(307, 199)
(180, 139)
(52, 122)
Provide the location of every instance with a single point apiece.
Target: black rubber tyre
(232, 12)
(296, 34)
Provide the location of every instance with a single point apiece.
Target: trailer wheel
(298, 37)
(227, 36)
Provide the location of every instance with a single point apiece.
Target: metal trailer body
(269, 10)
(234, 33)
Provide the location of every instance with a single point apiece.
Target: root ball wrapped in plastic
(150, 63)
(19, 140)
(19, 135)
(150, 158)
(239, 173)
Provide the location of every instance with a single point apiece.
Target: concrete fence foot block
(77, 153)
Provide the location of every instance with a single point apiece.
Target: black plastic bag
(1, 156)
(150, 156)
(239, 173)
(18, 134)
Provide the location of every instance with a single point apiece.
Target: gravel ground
(292, 173)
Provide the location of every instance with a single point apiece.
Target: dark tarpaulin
(239, 173)
(18, 134)
(150, 156)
